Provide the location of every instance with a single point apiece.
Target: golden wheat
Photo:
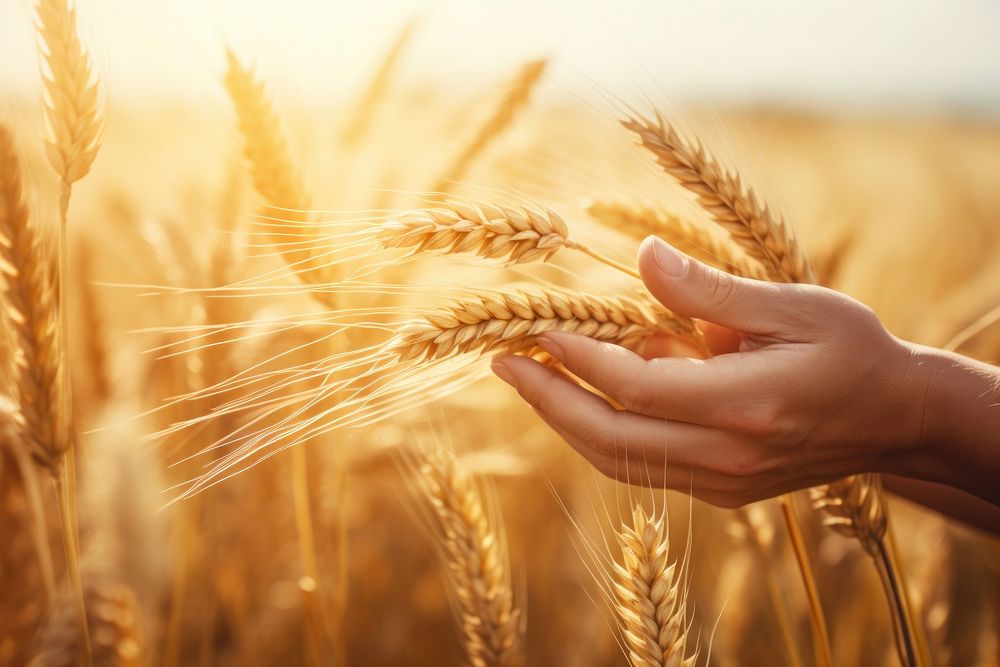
(510, 320)
(639, 220)
(113, 612)
(360, 120)
(649, 597)
(512, 99)
(31, 311)
(758, 230)
(74, 114)
(476, 559)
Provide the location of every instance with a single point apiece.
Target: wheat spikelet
(113, 614)
(364, 112)
(648, 596)
(518, 235)
(760, 232)
(73, 112)
(854, 508)
(514, 97)
(510, 320)
(640, 220)
(30, 309)
(475, 555)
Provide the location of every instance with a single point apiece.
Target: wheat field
(246, 413)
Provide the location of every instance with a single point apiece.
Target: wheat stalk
(513, 98)
(648, 596)
(510, 321)
(475, 554)
(759, 231)
(639, 220)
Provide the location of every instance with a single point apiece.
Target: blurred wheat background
(185, 185)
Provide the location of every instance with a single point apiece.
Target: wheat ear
(510, 320)
(113, 612)
(639, 220)
(759, 231)
(649, 598)
(855, 508)
(517, 235)
(274, 173)
(74, 115)
(513, 99)
(475, 555)
(365, 110)
(31, 312)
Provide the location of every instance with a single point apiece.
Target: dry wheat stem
(476, 559)
(758, 230)
(514, 97)
(639, 220)
(510, 320)
(648, 596)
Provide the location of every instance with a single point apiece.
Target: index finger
(678, 389)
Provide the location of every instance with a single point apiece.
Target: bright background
(861, 55)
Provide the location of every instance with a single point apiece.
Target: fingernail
(669, 260)
(546, 343)
(502, 372)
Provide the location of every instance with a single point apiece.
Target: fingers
(689, 390)
(600, 432)
(688, 287)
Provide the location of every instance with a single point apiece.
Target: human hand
(812, 388)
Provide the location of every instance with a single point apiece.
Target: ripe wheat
(476, 558)
(649, 598)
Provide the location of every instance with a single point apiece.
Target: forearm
(958, 442)
(947, 500)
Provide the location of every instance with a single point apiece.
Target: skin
(806, 386)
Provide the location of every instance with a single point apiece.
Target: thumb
(688, 287)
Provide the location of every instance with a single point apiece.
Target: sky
(910, 54)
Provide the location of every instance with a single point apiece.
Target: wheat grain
(760, 232)
(639, 220)
(513, 98)
(31, 311)
(648, 596)
(476, 559)
(510, 320)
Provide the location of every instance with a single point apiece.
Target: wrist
(955, 418)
